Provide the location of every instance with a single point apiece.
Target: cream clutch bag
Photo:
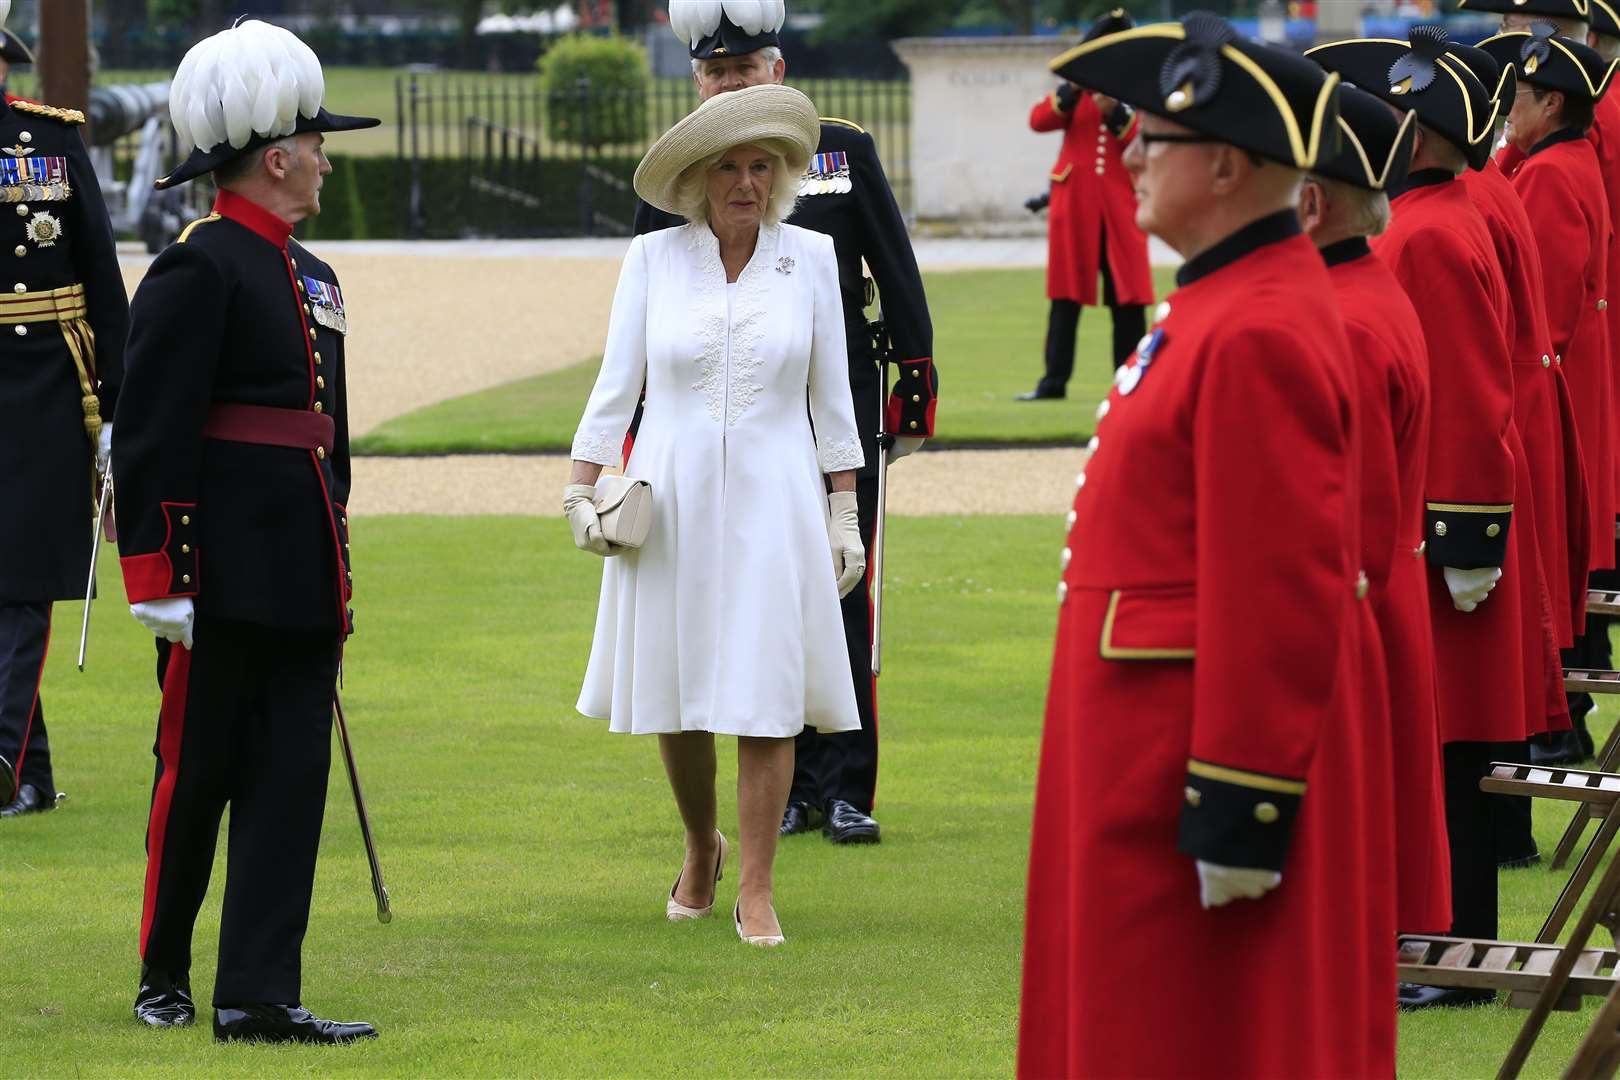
(624, 506)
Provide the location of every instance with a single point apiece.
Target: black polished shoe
(284, 1024)
(29, 800)
(164, 1000)
(1039, 395)
(799, 817)
(1557, 748)
(1412, 996)
(847, 825)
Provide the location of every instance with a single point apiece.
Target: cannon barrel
(116, 111)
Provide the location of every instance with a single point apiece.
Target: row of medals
(837, 184)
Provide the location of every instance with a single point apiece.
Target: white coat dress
(727, 618)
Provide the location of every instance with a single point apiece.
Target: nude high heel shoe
(679, 912)
(763, 941)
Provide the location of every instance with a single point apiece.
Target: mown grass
(989, 335)
(529, 852)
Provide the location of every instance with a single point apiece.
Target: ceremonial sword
(95, 549)
(884, 348)
(384, 915)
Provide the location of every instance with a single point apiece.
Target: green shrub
(596, 90)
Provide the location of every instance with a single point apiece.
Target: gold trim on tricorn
(1595, 89)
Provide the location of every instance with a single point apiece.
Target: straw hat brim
(768, 113)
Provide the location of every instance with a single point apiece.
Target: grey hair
(771, 53)
(240, 167)
(692, 193)
(1363, 212)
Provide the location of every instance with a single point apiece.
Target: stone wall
(973, 157)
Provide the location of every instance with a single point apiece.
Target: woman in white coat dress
(726, 620)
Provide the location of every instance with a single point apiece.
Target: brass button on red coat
(1266, 813)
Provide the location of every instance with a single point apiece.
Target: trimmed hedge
(597, 89)
(368, 198)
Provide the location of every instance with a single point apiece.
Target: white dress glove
(1218, 885)
(904, 446)
(844, 534)
(104, 448)
(579, 506)
(169, 619)
(1469, 588)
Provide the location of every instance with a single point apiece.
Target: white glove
(579, 506)
(169, 619)
(844, 533)
(104, 448)
(903, 446)
(1469, 588)
(1218, 885)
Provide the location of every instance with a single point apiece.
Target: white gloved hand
(1218, 885)
(169, 619)
(104, 448)
(904, 446)
(1469, 588)
(844, 534)
(579, 506)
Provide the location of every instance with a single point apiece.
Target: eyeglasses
(1148, 138)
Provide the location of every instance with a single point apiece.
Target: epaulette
(189, 229)
(852, 125)
(67, 116)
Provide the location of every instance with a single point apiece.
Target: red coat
(1392, 374)
(1441, 253)
(1560, 186)
(1181, 724)
(1605, 137)
(1092, 195)
(1538, 454)
(1542, 410)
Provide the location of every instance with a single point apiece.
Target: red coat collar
(251, 215)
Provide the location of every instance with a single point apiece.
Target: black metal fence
(506, 158)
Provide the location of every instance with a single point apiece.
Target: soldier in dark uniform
(63, 319)
(233, 474)
(846, 196)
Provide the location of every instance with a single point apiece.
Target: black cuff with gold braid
(1120, 119)
(1234, 817)
(1468, 536)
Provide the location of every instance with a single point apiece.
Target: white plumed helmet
(694, 20)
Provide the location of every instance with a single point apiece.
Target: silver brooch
(784, 265)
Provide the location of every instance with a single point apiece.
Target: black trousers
(25, 633)
(246, 721)
(1592, 649)
(843, 765)
(1130, 323)
(1470, 822)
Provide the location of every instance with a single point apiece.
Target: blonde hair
(692, 193)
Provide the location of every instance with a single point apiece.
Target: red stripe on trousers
(33, 709)
(171, 729)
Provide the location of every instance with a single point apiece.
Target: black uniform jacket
(846, 196)
(235, 313)
(54, 234)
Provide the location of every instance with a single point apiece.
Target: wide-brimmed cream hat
(770, 113)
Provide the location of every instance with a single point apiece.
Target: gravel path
(950, 482)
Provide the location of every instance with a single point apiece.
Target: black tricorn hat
(1499, 78)
(1203, 74)
(1553, 63)
(1112, 22)
(1556, 9)
(1605, 20)
(1375, 145)
(13, 50)
(202, 162)
(1421, 74)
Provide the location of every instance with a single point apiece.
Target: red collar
(251, 215)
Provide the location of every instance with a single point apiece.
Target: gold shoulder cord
(67, 116)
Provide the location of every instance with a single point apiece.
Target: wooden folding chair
(1588, 681)
(1559, 977)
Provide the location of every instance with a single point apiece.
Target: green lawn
(989, 330)
(529, 852)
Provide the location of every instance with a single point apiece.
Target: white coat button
(1071, 519)
(22, 331)
(19, 288)
(1064, 561)
(1063, 591)
(27, 136)
(1079, 481)
(1093, 443)
(1546, 361)
(1162, 312)
(1102, 408)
